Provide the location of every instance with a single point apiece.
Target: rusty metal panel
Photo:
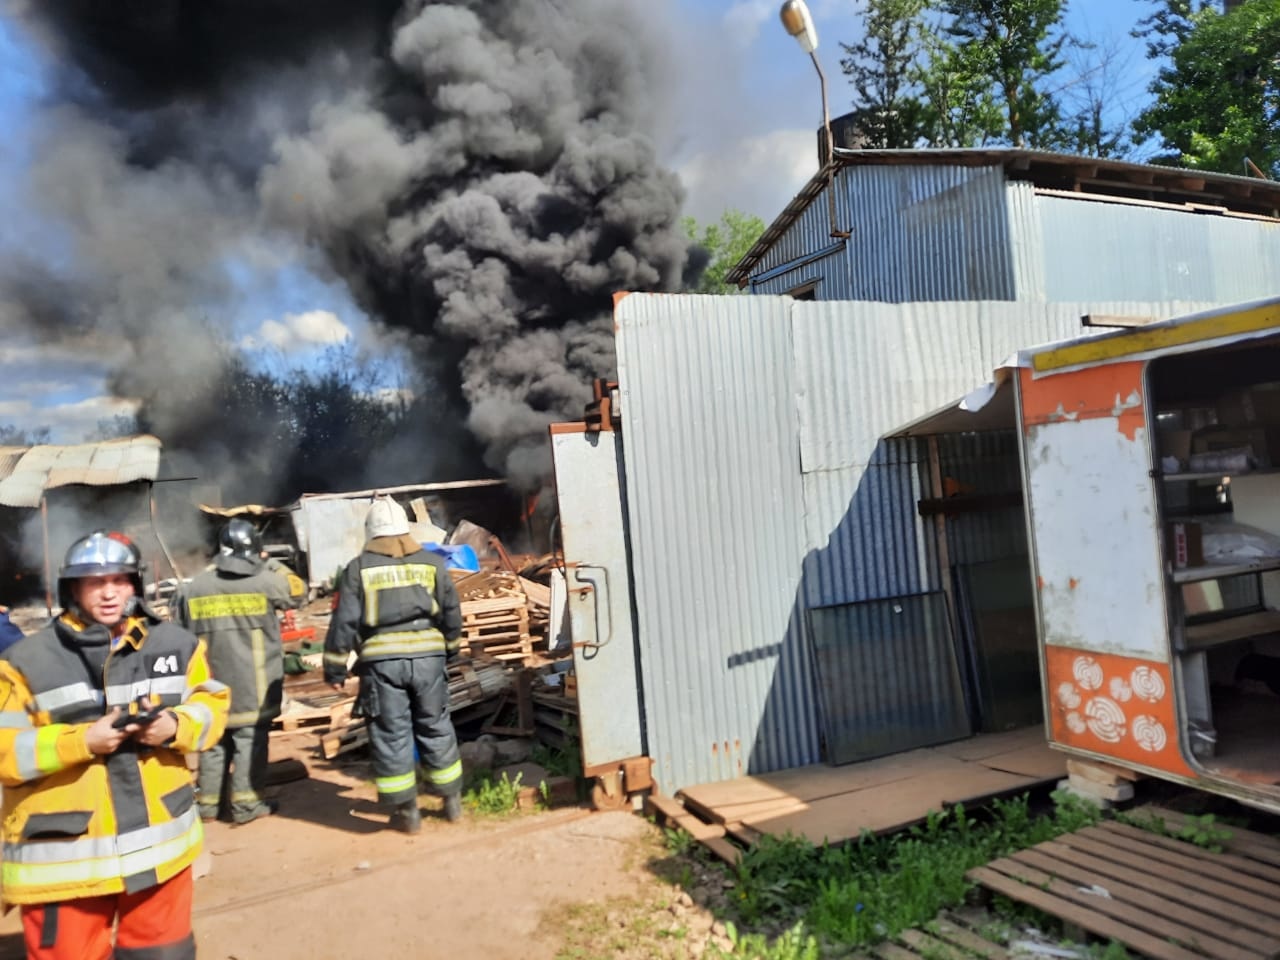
(109, 463)
(918, 233)
(716, 520)
(1094, 250)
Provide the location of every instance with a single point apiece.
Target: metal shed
(1005, 224)
(788, 597)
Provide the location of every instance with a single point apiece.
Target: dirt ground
(325, 878)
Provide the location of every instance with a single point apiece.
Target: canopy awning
(987, 408)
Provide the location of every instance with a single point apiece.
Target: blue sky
(736, 121)
(752, 92)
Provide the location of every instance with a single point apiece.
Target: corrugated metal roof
(109, 463)
(1050, 171)
(9, 457)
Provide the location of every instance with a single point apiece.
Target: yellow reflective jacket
(235, 615)
(80, 825)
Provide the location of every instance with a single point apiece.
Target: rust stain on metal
(1111, 391)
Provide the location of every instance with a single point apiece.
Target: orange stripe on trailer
(1094, 393)
(1119, 707)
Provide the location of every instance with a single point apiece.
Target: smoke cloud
(479, 174)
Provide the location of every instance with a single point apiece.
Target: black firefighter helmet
(239, 548)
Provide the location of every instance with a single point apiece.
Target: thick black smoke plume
(478, 173)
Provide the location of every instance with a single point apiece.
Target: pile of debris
(312, 704)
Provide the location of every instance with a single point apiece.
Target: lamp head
(799, 23)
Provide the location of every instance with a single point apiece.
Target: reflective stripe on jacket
(79, 825)
(236, 617)
(392, 607)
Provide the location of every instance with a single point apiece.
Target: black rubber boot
(453, 808)
(407, 818)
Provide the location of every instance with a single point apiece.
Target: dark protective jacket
(392, 607)
(236, 616)
(80, 825)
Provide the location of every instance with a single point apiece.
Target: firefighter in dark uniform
(232, 607)
(398, 610)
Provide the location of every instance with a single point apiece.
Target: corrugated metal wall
(716, 514)
(959, 233)
(987, 462)
(919, 233)
(759, 487)
(1106, 250)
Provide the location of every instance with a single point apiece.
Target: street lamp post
(799, 23)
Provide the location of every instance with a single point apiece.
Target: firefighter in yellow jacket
(96, 712)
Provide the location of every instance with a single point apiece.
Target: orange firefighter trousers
(154, 923)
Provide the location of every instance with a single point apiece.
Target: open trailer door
(1129, 466)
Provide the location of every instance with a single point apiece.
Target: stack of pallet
(470, 684)
(538, 597)
(495, 616)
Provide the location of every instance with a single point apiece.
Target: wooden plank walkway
(1160, 897)
(952, 935)
(834, 804)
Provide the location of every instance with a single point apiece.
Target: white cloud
(298, 331)
(743, 20)
(758, 175)
(67, 422)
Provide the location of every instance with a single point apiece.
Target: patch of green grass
(869, 890)
(1203, 831)
(489, 798)
(558, 762)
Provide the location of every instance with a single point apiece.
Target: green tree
(1168, 25)
(884, 70)
(725, 244)
(991, 83)
(1217, 102)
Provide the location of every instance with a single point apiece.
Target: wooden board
(891, 806)
(882, 794)
(334, 743)
(1161, 897)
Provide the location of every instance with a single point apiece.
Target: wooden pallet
(952, 935)
(340, 740)
(329, 715)
(1161, 897)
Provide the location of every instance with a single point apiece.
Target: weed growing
(489, 798)
(864, 892)
(1203, 831)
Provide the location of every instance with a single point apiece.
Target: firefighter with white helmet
(233, 608)
(398, 610)
(96, 711)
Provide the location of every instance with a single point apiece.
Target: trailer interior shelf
(1200, 636)
(1218, 475)
(1212, 571)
